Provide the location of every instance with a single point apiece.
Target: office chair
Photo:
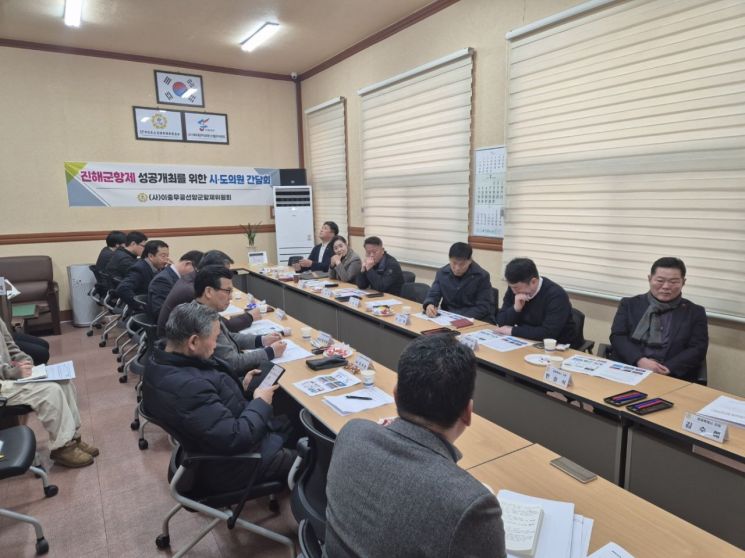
(415, 291)
(19, 448)
(308, 498)
(586, 346)
(310, 546)
(496, 303)
(409, 276)
(183, 474)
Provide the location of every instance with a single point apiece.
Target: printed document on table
(386, 302)
(555, 538)
(443, 318)
(498, 342)
(231, 310)
(350, 292)
(622, 373)
(55, 373)
(611, 550)
(583, 364)
(581, 536)
(344, 406)
(263, 327)
(325, 383)
(727, 409)
(293, 351)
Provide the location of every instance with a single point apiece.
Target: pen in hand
(359, 397)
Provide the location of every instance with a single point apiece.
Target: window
(416, 144)
(626, 143)
(327, 138)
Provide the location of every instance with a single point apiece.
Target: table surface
(641, 528)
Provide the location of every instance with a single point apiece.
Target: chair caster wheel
(122, 379)
(163, 541)
(102, 344)
(142, 443)
(135, 424)
(274, 506)
(115, 351)
(50, 490)
(120, 369)
(119, 358)
(42, 546)
(89, 333)
(98, 326)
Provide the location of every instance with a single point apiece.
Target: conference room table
(512, 393)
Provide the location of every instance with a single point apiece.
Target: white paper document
(263, 327)
(555, 538)
(231, 310)
(386, 302)
(581, 536)
(608, 369)
(727, 409)
(54, 373)
(293, 351)
(611, 550)
(326, 383)
(443, 318)
(496, 341)
(350, 292)
(345, 406)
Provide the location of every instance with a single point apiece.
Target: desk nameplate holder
(362, 362)
(354, 302)
(402, 319)
(706, 427)
(470, 342)
(324, 339)
(557, 376)
(280, 314)
(327, 292)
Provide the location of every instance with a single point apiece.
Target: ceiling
(209, 31)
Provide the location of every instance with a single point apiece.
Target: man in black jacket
(125, 257)
(320, 256)
(535, 307)
(660, 330)
(206, 408)
(114, 240)
(463, 286)
(154, 258)
(380, 270)
(164, 281)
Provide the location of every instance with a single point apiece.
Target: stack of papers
(443, 317)
(263, 327)
(326, 383)
(611, 550)
(344, 406)
(231, 310)
(338, 293)
(608, 369)
(51, 373)
(496, 341)
(293, 351)
(727, 409)
(386, 302)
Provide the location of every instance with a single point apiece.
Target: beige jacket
(9, 353)
(348, 268)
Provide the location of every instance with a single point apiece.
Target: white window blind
(327, 138)
(626, 143)
(416, 143)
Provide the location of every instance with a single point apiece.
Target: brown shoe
(87, 448)
(71, 456)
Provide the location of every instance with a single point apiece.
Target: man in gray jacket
(396, 490)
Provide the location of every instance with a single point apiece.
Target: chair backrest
(310, 547)
(292, 260)
(579, 323)
(497, 302)
(415, 291)
(409, 276)
(309, 495)
(703, 373)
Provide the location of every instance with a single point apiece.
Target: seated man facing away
(463, 286)
(660, 330)
(53, 402)
(162, 283)
(535, 307)
(206, 408)
(396, 490)
(183, 291)
(237, 352)
(114, 240)
(380, 270)
(125, 257)
(320, 255)
(154, 258)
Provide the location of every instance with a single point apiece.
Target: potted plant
(250, 231)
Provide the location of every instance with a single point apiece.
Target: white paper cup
(287, 331)
(549, 344)
(368, 377)
(406, 310)
(263, 308)
(305, 332)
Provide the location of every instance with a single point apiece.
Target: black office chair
(310, 546)
(19, 449)
(415, 291)
(409, 276)
(308, 498)
(496, 302)
(586, 346)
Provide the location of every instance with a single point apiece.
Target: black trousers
(35, 347)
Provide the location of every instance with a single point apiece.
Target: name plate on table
(354, 302)
(705, 426)
(280, 314)
(327, 292)
(402, 319)
(470, 342)
(324, 338)
(362, 362)
(557, 376)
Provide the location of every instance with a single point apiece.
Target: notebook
(522, 526)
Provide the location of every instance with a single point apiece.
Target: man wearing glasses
(660, 330)
(126, 256)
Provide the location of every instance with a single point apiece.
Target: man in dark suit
(154, 258)
(535, 307)
(396, 490)
(114, 240)
(380, 270)
(320, 256)
(125, 257)
(162, 283)
(660, 330)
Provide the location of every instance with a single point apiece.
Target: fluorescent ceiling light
(73, 11)
(264, 32)
(189, 92)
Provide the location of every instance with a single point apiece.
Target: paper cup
(305, 332)
(549, 344)
(263, 308)
(406, 310)
(368, 377)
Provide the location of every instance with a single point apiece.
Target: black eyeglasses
(229, 291)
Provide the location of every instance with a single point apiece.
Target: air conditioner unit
(293, 221)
